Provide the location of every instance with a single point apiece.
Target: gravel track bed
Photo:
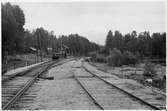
(62, 93)
(107, 96)
(132, 87)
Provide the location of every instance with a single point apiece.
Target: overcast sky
(93, 20)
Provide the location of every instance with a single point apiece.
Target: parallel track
(21, 73)
(125, 92)
(19, 91)
(93, 98)
(146, 85)
(14, 87)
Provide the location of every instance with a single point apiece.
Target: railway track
(15, 87)
(106, 100)
(89, 94)
(6, 78)
(146, 85)
(157, 94)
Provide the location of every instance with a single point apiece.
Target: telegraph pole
(37, 47)
(40, 47)
(52, 41)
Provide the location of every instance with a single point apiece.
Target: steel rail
(22, 73)
(63, 62)
(137, 98)
(29, 83)
(150, 87)
(87, 92)
(24, 89)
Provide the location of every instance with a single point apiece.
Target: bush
(149, 70)
(115, 58)
(97, 57)
(129, 58)
(138, 56)
(100, 58)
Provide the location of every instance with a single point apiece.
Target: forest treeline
(78, 45)
(142, 44)
(17, 40)
(13, 20)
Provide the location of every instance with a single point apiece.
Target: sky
(93, 20)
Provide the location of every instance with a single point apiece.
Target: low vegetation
(98, 57)
(129, 58)
(115, 58)
(157, 80)
(101, 58)
(19, 61)
(149, 70)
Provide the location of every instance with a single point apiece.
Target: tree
(158, 45)
(134, 34)
(115, 58)
(118, 40)
(9, 26)
(12, 28)
(143, 45)
(20, 19)
(109, 41)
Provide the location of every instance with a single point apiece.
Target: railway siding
(19, 85)
(132, 87)
(105, 95)
(108, 97)
(7, 76)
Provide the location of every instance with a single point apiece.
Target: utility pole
(37, 47)
(52, 41)
(61, 51)
(61, 44)
(40, 47)
(5, 56)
